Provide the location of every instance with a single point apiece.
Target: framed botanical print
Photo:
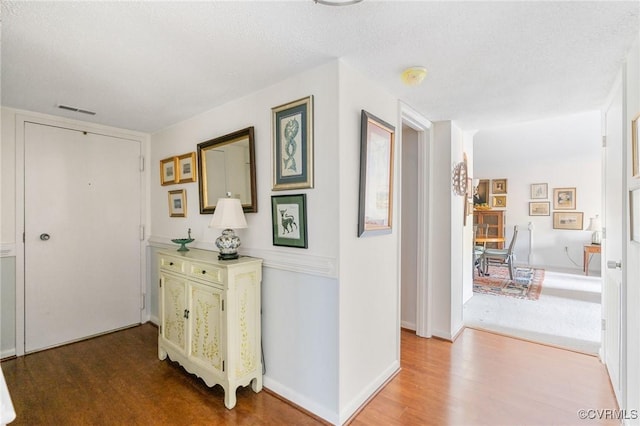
(539, 191)
(293, 145)
(564, 198)
(178, 203)
(168, 171)
(376, 175)
(289, 220)
(186, 166)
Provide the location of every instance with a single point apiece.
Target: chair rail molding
(303, 263)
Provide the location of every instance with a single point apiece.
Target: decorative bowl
(183, 243)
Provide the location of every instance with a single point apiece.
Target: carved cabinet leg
(256, 384)
(229, 398)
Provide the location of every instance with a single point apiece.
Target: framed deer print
(289, 220)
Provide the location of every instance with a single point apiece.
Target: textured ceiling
(147, 65)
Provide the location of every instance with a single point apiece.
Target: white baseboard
(7, 353)
(408, 325)
(301, 400)
(366, 393)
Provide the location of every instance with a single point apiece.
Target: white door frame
(21, 119)
(424, 128)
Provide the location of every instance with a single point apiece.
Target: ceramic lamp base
(228, 244)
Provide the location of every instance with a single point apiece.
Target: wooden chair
(501, 257)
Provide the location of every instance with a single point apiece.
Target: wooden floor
(483, 378)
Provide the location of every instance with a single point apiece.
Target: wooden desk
(589, 249)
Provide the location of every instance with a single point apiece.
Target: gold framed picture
(178, 203)
(499, 201)
(186, 167)
(568, 220)
(564, 198)
(168, 171)
(499, 186)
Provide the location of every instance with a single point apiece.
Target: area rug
(527, 283)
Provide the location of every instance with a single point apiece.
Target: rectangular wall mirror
(227, 164)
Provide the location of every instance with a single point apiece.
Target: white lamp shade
(228, 214)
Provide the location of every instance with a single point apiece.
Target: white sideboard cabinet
(210, 318)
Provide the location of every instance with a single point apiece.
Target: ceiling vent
(75, 109)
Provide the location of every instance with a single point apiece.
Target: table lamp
(228, 216)
(596, 227)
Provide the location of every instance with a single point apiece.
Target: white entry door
(82, 235)
(614, 212)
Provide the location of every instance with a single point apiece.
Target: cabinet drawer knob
(204, 272)
(170, 263)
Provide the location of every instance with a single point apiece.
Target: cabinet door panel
(245, 326)
(174, 303)
(207, 338)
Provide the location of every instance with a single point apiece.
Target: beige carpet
(567, 313)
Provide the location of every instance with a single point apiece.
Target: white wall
(632, 260)
(562, 152)
(449, 257)
(468, 237)
(409, 278)
(300, 286)
(369, 288)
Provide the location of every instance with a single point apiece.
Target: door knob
(44, 237)
(612, 264)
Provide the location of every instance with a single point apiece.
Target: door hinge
(142, 163)
(223, 305)
(144, 301)
(604, 233)
(160, 282)
(603, 324)
(23, 237)
(141, 232)
(222, 365)
(604, 141)
(160, 329)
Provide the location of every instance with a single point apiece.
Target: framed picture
(289, 220)
(186, 168)
(376, 175)
(564, 198)
(635, 152)
(168, 171)
(178, 203)
(499, 201)
(499, 186)
(293, 145)
(481, 192)
(539, 208)
(634, 207)
(539, 191)
(567, 220)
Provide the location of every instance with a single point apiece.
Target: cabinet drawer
(172, 264)
(205, 272)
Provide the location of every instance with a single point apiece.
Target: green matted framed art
(293, 145)
(289, 220)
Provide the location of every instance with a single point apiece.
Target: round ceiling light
(336, 2)
(413, 76)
